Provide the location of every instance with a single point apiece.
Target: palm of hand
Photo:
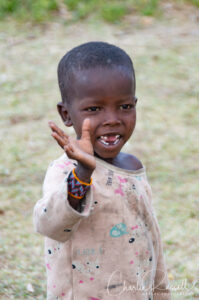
(80, 150)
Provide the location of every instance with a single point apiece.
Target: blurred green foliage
(195, 2)
(37, 10)
(109, 10)
(112, 12)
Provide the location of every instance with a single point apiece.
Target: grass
(43, 10)
(112, 11)
(69, 11)
(166, 137)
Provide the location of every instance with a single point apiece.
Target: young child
(102, 237)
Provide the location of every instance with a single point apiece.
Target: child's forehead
(102, 83)
(100, 70)
(100, 76)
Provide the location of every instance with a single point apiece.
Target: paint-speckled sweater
(111, 248)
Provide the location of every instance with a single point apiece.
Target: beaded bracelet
(76, 187)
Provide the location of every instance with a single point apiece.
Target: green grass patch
(113, 11)
(44, 10)
(37, 10)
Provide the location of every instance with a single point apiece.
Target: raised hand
(80, 150)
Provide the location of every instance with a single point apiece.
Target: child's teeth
(103, 142)
(105, 137)
(106, 140)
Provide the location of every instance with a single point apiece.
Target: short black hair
(86, 56)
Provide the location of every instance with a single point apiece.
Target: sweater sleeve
(148, 189)
(161, 284)
(53, 216)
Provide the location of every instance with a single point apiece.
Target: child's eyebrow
(127, 98)
(91, 101)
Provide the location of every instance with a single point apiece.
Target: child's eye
(93, 108)
(126, 106)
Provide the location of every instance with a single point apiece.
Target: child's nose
(111, 119)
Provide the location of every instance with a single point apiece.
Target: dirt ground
(165, 52)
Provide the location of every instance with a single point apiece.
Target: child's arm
(54, 215)
(161, 284)
(161, 290)
(80, 150)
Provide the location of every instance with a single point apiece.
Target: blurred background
(162, 38)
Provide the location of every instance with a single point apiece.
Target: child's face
(107, 98)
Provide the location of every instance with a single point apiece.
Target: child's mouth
(109, 140)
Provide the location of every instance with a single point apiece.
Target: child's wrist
(83, 173)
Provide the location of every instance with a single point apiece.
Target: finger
(69, 148)
(55, 128)
(86, 134)
(69, 151)
(52, 125)
(59, 139)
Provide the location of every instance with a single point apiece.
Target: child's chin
(106, 154)
(107, 151)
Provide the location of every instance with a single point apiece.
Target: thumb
(86, 135)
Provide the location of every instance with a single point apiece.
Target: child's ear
(64, 114)
(136, 99)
